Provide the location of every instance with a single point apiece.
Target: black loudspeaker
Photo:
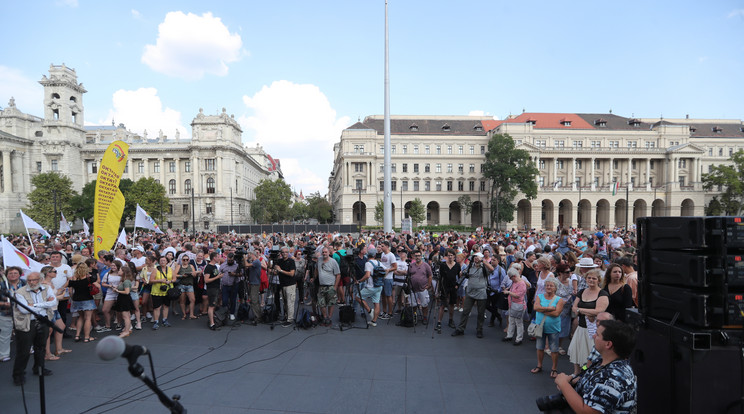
(683, 372)
(346, 314)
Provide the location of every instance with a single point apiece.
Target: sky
(295, 73)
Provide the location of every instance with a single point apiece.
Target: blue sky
(295, 73)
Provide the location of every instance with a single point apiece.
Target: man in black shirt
(212, 278)
(284, 266)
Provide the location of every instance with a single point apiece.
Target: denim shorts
(372, 294)
(56, 316)
(134, 295)
(387, 287)
(187, 288)
(552, 341)
(83, 305)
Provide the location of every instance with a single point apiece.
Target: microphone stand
(137, 371)
(43, 319)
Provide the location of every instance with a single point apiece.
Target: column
(612, 169)
(7, 171)
(648, 174)
(555, 171)
(196, 181)
(591, 178)
(674, 173)
(179, 184)
(573, 173)
(217, 178)
(130, 172)
(161, 162)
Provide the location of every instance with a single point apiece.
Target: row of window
(427, 149)
(559, 181)
(209, 165)
(560, 143)
(427, 168)
(720, 152)
(427, 185)
(208, 208)
(681, 163)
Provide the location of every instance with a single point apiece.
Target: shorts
(326, 296)
(134, 295)
(372, 294)
(450, 296)
(83, 305)
(98, 296)
(420, 298)
(552, 341)
(346, 281)
(56, 316)
(158, 301)
(213, 295)
(186, 288)
(397, 289)
(387, 287)
(147, 289)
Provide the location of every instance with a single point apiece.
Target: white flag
(86, 229)
(143, 220)
(122, 237)
(30, 224)
(14, 257)
(64, 226)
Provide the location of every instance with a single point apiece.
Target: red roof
(549, 121)
(489, 125)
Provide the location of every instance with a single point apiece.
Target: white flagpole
(30, 241)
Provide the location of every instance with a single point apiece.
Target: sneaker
(451, 324)
(479, 334)
(439, 326)
(212, 327)
(232, 317)
(286, 324)
(371, 323)
(119, 327)
(383, 315)
(547, 351)
(166, 323)
(103, 329)
(149, 316)
(155, 326)
(132, 317)
(371, 314)
(98, 328)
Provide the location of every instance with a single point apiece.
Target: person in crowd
(82, 300)
(449, 271)
(620, 294)
(64, 272)
(588, 304)
(477, 276)
(548, 306)
(329, 275)
(495, 295)
(389, 263)
(48, 273)
(542, 267)
(400, 279)
(578, 278)
(11, 282)
(124, 303)
(565, 292)
(516, 306)
(212, 278)
(253, 265)
(229, 284)
(148, 272)
(631, 277)
(285, 268)
(200, 291)
(160, 280)
(29, 331)
(421, 277)
(369, 291)
(135, 295)
(110, 281)
(299, 275)
(609, 385)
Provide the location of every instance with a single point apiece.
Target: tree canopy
(319, 208)
(510, 171)
(379, 211)
(50, 188)
(272, 202)
(417, 211)
(731, 180)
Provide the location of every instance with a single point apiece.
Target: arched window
(73, 99)
(172, 187)
(210, 185)
(55, 96)
(187, 186)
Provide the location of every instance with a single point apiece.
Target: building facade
(209, 178)
(594, 169)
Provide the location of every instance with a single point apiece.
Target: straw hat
(586, 263)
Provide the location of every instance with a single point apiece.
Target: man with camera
(231, 276)
(285, 268)
(607, 386)
(475, 294)
(421, 277)
(329, 276)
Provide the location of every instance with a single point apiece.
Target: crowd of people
(572, 288)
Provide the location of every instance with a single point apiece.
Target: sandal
(51, 357)
(63, 351)
(553, 373)
(91, 339)
(194, 317)
(183, 318)
(77, 339)
(561, 351)
(536, 370)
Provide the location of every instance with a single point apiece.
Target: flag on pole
(32, 225)
(108, 205)
(122, 237)
(14, 257)
(64, 226)
(615, 187)
(86, 229)
(142, 219)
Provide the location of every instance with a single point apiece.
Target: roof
(490, 125)
(359, 125)
(551, 121)
(427, 126)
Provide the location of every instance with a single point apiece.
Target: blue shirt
(552, 323)
(610, 388)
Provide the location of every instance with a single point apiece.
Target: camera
(552, 402)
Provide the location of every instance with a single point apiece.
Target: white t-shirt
(370, 267)
(402, 266)
(387, 261)
(64, 272)
(138, 262)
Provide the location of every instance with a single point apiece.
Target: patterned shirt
(610, 388)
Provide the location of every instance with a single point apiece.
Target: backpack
(220, 316)
(406, 317)
(378, 274)
(305, 320)
(344, 266)
(269, 313)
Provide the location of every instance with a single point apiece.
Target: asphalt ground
(246, 369)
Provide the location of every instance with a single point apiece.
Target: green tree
(465, 203)
(510, 171)
(298, 212)
(319, 208)
(50, 189)
(82, 204)
(731, 179)
(417, 211)
(272, 201)
(379, 211)
(149, 194)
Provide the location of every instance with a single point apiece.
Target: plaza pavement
(245, 369)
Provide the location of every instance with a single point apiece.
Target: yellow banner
(109, 202)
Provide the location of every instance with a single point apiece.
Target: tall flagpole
(388, 197)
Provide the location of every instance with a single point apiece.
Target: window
(38, 166)
(541, 164)
(404, 185)
(186, 226)
(393, 185)
(382, 167)
(596, 181)
(393, 168)
(449, 168)
(460, 149)
(210, 164)
(427, 185)
(382, 149)
(471, 186)
(141, 167)
(541, 181)
(460, 168)
(359, 149)
(55, 165)
(460, 186)
(578, 144)
(681, 181)
(94, 167)
(427, 150)
(651, 164)
(472, 168)
(578, 164)
(559, 182)
(170, 208)
(156, 167)
(187, 166)
(483, 149)
(392, 149)
(209, 208)
(720, 152)
(405, 168)
(731, 152)
(439, 150)
(126, 168)
(187, 186)
(185, 208)
(682, 163)
(358, 167)
(416, 168)
(614, 144)
(210, 185)
(632, 181)
(710, 152)
(614, 164)
(439, 186)
(449, 185)
(559, 164)
(427, 168)
(596, 164)
(483, 168)
(206, 225)
(382, 185)
(415, 186)
(632, 144)
(358, 184)
(596, 144)
(650, 144)
(560, 143)
(449, 149)
(405, 149)
(438, 168)
(472, 150)
(415, 149)
(172, 187)
(172, 166)
(483, 186)
(633, 164)
(540, 143)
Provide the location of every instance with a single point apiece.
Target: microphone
(112, 347)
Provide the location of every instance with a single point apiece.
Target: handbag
(536, 330)
(173, 293)
(516, 310)
(93, 289)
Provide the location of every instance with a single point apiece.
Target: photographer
(230, 278)
(254, 280)
(475, 294)
(329, 276)
(285, 268)
(609, 385)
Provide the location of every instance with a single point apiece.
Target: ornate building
(211, 173)
(595, 169)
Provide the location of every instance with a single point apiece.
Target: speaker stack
(688, 357)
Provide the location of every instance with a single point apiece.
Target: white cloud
(142, 110)
(737, 12)
(28, 93)
(189, 46)
(295, 122)
(136, 14)
(477, 113)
